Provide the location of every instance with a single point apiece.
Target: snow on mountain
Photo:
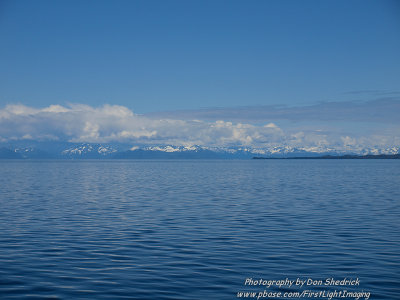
(88, 150)
(24, 150)
(170, 148)
(31, 152)
(272, 151)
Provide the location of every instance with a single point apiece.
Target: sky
(304, 66)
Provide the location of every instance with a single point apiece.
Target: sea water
(196, 229)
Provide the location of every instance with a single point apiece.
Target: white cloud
(113, 123)
(55, 109)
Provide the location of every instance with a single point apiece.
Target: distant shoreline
(369, 156)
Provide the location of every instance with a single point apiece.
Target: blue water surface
(196, 229)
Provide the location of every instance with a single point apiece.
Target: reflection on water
(195, 229)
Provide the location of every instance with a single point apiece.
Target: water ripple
(194, 229)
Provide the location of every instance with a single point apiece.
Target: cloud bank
(113, 123)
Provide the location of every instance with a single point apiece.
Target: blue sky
(169, 55)
(316, 74)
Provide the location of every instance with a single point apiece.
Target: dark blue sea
(199, 229)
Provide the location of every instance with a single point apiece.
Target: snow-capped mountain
(89, 151)
(31, 152)
(120, 151)
(56, 150)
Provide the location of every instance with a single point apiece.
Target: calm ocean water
(196, 229)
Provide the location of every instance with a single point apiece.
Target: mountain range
(65, 150)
